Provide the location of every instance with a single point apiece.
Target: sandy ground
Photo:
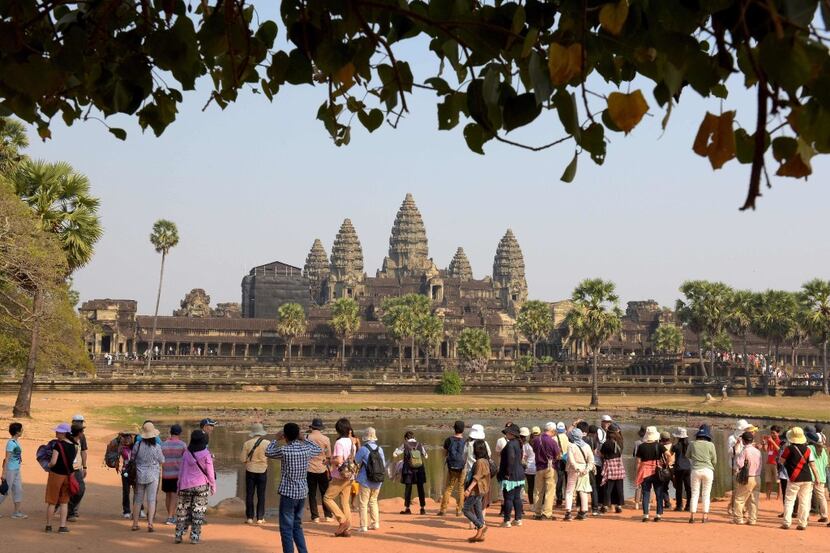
(101, 530)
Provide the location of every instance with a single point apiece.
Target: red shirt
(772, 448)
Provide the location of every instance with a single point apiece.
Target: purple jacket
(197, 470)
(546, 449)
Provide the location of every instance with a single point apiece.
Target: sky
(260, 181)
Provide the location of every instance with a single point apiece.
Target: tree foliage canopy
(291, 321)
(345, 317)
(164, 236)
(668, 338)
(535, 322)
(600, 65)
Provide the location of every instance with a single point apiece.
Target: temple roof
(409, 236)
(460, 266)
(509, 263)
(346, 252)
(316, 266)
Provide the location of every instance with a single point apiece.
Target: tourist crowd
(576, 469)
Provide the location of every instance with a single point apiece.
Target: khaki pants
(820, 495)
(747, 498)
(803, 491)
(342, 489)
(455, 483)
(545, 492)
(367, 501)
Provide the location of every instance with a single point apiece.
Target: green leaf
(299, 68)
(267, 32)
(529, 41)
(566, 108)
(520, 110)
(371, 120)
(744, 146)
(539, 78)
(608, 122)
(440, 85)
(120, 134)
(570, 171)
(784, 147)
(477, 105)
(785, 62)
(592, 140)
(720, 91)
(475, 137)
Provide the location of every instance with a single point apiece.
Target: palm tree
(535, 322)
(60, 199)
(742, 312)
(474, 349)
(401, 317)
(815, 298)
(291, 323)
(706, 311)
(429, 333)
(668, 338)
(12, 139)
(775, 314)
(595, 317)
(345, 320)
(164, 237)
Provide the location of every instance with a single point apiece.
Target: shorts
(170, 485)
(57, 489)
(770, 473)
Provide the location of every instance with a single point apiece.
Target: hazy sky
(259, 182)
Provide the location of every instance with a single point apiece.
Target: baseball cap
(207, 422)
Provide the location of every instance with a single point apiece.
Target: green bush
(525, 363)
(451, 384)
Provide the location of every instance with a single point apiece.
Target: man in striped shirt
(173, 450)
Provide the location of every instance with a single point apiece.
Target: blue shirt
(14, 454)
(361, 458)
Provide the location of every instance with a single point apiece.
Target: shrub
(450, 384)
(525, 363)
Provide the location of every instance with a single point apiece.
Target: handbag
(664, 472)
(131, 470)
(348, 468)
(4, 487)
(74, 486)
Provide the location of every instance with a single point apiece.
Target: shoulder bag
(348, 468)
(74, 486)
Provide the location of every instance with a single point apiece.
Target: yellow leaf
(626, 110)
(345, 74)
(612, 16)
(716, 139)
(799, 164)
(564, 63)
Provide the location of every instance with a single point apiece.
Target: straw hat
(535, 430)
(476, 432)
(680, 433)
(796, 436)
(652, 435)
(524, 431)
(149, 431)
(369, 435)
(257, 430)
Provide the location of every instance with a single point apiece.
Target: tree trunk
(746, 358)
(426, 356)
(412, 344)
(23, 404)
(288, 350)
(824, 355)
(700, 355)
(152, 340)
(792, 356)
(533, 354)
(594, 383)
(342, 353)
(400, 357)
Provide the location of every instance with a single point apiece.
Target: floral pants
(190, 511)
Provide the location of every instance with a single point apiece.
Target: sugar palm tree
(668, 338)
(742, 312)
(13, 139)
(775, 317)
(429, 333)
(345, 320)
(535, 322)
(474, 349)
(290, 324)
(60, 199)
(815, 297)
(595, 317)
(164, 237)
(401, 317)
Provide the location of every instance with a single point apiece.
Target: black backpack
(375, 470)
(455, 454)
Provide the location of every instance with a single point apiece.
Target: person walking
(372, 463)
(476, 434)
(613, 471)
(253, 458)
(342, 473)
(819, 454)
(355, 489)
(413, 472)
(476, 489)
(682, 477)
(196, 483)
(11, 470)
(57, 484)
(547, 455)
(650, 455)
(173, 450)
(318, 470)
(561, 478)
(79, 465)
(148, 459)
(771, 446)
(579, 468)
(294, 455)
(511, 475)
(748, 466)
(528, 462)
(800, 465)
(454, 452)
(704, 458)
(126, 441)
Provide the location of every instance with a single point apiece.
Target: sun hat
(796, 436)
(476, 432)
(524, 431)
(149, 431)
(614, 427)
(606, 418)
(207, 422)
(257, 430)
(812, 437)
(535, 430)
(511, 429)
(369, 435)
(742, 425)
(665, 436)
(550, 426)
(652, 435)
(680, 433)
(560, 427)
(63, 428)
(704, 432)
(316, 424)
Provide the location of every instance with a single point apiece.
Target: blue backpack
(455, 454)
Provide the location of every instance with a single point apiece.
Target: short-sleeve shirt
(14, 454)
(69, 452)
(649, 452)
(772, 452)
(343, 448)
(318, 463)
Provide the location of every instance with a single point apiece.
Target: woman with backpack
(147, 459)
(196, 484)
(372, 465)
(343, 471)
(60, 468)
(613, 471)
(412, 470)
(682, 469)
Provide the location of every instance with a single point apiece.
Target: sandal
(135, 528)
(150, 529)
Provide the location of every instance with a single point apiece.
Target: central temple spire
(408, 248)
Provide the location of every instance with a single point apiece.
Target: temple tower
(346, 270)
(509, 273)
(316, 270)
(460, 266)
(408, 249)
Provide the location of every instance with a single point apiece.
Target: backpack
(414, 458)
(44, 454)
(112, 455)
(455, 454)
(375, 470)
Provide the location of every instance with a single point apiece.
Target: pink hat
(63, 428)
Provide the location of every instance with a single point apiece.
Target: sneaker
(580, 516)
(374, 527)
(517, 522)
(315, 520)
(800, 527)
(170, 521)
(47, 529)
(822, 519)
(260, 521)
(506, 524)
(441, 513)
(363, 529)
(406, 512)
(567, 516)
(785, 526)
(23, 515)
(423, 511)
(127, 516)
(658, 518)
(249, 521)
(618, 509)
(72, 518)
(538, 517)
(63, 530)
(177, 539)
(645, 518)
(594, 513)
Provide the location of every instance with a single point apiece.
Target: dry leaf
(716, 139)
(626, 110)
(564, 63)
(345, 74)
(799, 164)
(612, 16)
